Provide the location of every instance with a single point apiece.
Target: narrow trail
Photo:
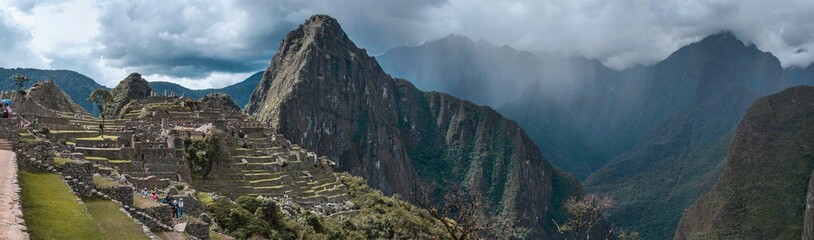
(11, 215)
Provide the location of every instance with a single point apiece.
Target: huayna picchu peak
(325, 94)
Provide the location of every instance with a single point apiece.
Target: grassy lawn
(119, 161)
(92, 158)
(62, 161)
(30, 140)
(115, 223)
(144, 202)
(104, 182)
(73, 131)
(99, 138)
(51, 211)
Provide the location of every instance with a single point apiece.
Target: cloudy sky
(202, 44)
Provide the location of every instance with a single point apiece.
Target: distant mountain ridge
(653, 137)
(79, 86)
(76, 85)
(240, 92)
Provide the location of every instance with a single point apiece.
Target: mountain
(48, 95)
(802, 76)
(220, 101)
(132, 87)
(553, 90)
(240, 92)
(74, 84)
(763, 191)
(685, 118)
(325, 94)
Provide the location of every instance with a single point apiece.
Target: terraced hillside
(261, 163)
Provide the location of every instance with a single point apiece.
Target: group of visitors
(176, 205)
(6, 110)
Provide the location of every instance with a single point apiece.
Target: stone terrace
(146, 142)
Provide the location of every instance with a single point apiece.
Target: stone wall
(79, 171)
(150, 182)
(109, 153)
(35, 156)
(197, 229)
(97, 143)
(9, 127)
(123, 194)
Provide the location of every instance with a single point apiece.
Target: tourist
(167, 199)
(144, 192)
(10, 112)
(174, 209)
(154, 197)
(180, 207)
(5, 112)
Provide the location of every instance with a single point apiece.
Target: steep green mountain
(74, 84)
(553, 91)
(240, 92)
(764, 187)
(325, 94)
(686, 119)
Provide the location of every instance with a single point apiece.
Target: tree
(461, 214)
(586, 213)
(101, 98)
(19, 80)
(204, 154)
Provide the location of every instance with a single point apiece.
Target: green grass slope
(762, 191)
(51, 211)
(114, 222)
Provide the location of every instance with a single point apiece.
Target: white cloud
(208, 43)
(15, 47)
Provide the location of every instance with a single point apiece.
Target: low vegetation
(51, 210)
(114, 222)
(202, 155)
(378, 217)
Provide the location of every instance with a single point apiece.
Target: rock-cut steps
(255, 172)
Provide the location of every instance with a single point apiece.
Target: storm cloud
(193, 41)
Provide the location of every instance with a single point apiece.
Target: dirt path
(11, 215)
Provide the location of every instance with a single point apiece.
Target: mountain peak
(321, 20)
(132, 87)
(320, 32)
(725, 38)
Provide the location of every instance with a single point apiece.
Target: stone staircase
(5, 145)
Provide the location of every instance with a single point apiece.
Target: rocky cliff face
(48, 95)
(762, 192)
(220, 101)
(808, 222)
(132, 87)
(324, 93)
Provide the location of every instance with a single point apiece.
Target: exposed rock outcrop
(763, 190)
(808, 222)
(132, 87)
(48, 95)
(220, 101)
(324, 93)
